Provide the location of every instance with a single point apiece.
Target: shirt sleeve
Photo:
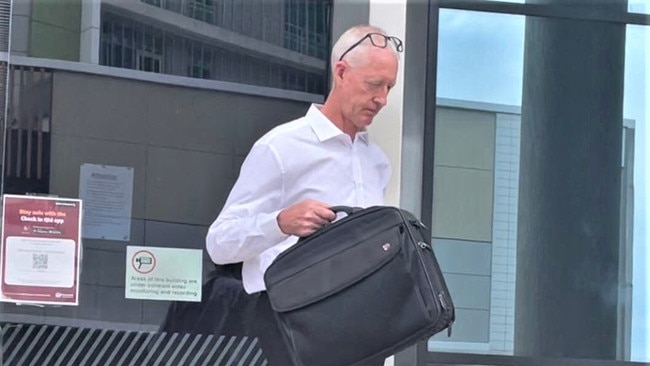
(247, 225)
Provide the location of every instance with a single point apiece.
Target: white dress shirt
(308, 158)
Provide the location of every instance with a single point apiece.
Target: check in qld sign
(41, 244)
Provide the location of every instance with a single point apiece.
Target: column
(90, 31)
(569, 200)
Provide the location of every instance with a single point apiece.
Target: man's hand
(305, 218)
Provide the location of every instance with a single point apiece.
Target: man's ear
(339, 70)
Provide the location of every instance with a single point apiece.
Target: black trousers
(266, 329)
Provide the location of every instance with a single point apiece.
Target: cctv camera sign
(163, 274)
(143, 261)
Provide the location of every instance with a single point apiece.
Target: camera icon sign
(143, 261)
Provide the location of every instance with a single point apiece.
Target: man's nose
(381, 98)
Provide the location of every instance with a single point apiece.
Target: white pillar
(399, 128)
(386, 129)
(90, 31)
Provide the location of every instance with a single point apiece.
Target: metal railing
(27, 131)
(35, 344)
(298, 25)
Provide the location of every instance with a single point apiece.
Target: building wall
(463, 201)
(474, 228)
(504, 232)
(153, 128)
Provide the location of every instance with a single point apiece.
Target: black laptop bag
(364, 287)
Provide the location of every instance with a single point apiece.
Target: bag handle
(346, 209)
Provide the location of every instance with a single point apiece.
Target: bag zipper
(444, 306)
(443, 303)
(426, 246)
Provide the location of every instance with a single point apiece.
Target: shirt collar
(326, 129)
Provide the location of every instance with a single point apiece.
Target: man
(296, 171)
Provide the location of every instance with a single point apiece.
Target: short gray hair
(350, 37)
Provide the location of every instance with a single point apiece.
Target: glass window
(480, 57)
(480, 68)
(636, 110)
(293, 33)
(488, 147)
(638, 6)
(153, 164)
(152, 157)
(154, 54)
(305, 22)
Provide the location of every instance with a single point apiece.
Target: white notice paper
(42, 262)
(107, 193)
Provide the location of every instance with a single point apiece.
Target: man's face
(367, 86)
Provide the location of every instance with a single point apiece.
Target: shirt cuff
(268, 224)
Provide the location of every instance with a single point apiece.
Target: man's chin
(362, 127)
(364, 122)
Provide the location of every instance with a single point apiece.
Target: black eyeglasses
(377, 40)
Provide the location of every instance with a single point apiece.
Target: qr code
(39, 261)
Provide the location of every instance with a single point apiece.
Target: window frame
(419, 354)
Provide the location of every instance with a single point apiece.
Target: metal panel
(448, 359)
(5, 41)
(569, 11)
(5, 25)
(30, 344)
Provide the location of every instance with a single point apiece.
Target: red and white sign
(40, 250)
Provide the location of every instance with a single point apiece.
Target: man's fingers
(316, 222)
(305, 218)
(308, 230)
(325, 213)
